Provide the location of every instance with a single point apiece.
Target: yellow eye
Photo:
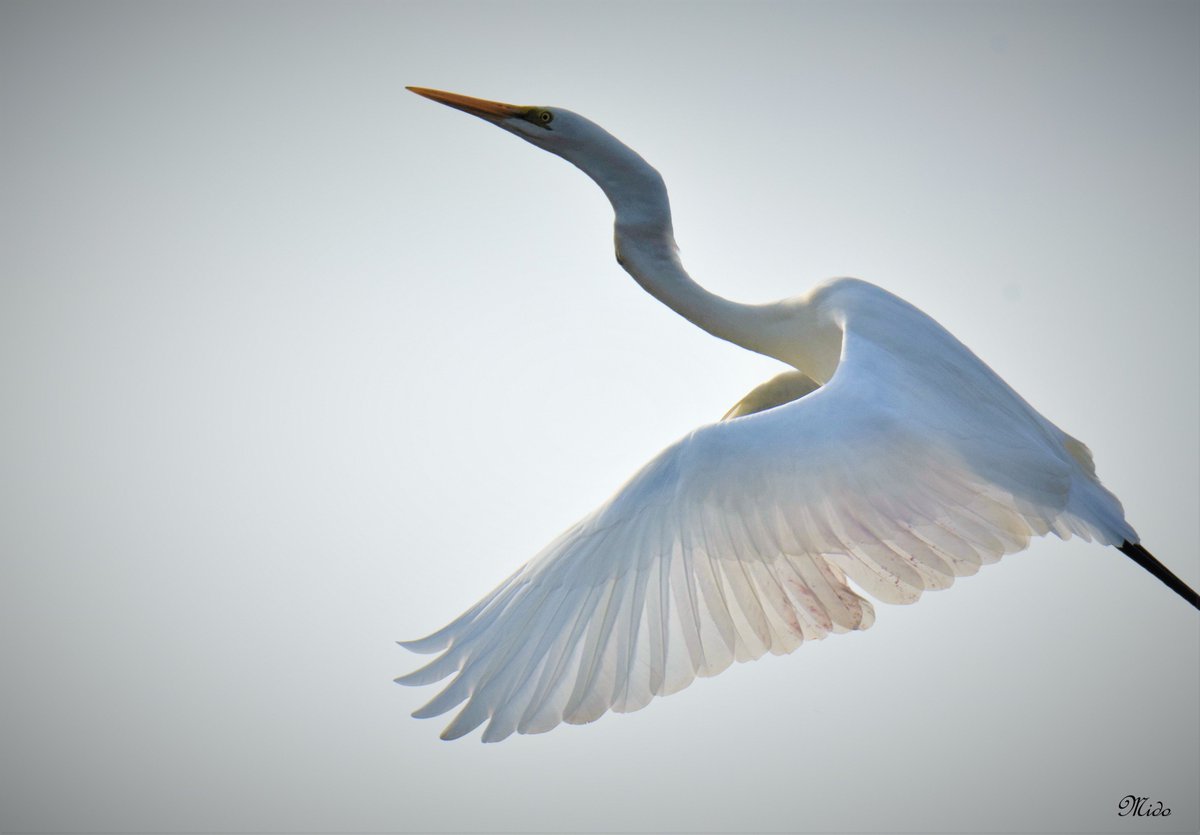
(538, 116)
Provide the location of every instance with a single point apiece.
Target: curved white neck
(649, 254)
(645, 245)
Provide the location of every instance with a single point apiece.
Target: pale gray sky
(296, 363)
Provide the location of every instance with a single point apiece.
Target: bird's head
(551, 128)
(635, 189)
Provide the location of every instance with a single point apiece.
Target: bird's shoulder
(908, 359)
(868, 311)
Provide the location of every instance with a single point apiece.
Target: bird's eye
(541, 118)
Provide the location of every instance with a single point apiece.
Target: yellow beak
(476, 107)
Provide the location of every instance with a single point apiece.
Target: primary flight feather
(892, 457)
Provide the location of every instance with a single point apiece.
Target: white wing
(739, 539)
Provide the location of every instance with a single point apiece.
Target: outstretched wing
(738, 540)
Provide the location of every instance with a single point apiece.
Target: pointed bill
(483, 108)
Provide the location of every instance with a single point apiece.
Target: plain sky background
(295, 363)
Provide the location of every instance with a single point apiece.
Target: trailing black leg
(1147, 561)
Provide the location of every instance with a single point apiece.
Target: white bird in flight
(891, 456)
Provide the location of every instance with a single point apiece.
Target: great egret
(891, 456)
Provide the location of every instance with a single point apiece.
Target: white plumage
(906, 462)
(738, 539)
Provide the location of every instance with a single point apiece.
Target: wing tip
(427, 645)
(408, 679)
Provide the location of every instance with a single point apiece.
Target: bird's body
(903, 463)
